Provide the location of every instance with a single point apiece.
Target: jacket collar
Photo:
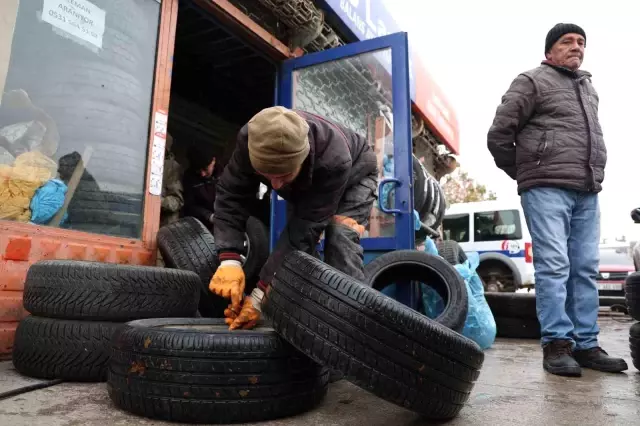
(579, 74)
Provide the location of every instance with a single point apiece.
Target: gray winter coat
(546, 131)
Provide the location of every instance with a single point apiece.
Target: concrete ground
(512, 390)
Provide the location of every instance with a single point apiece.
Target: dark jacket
(338, 158)
(199, 196)
(546, 131)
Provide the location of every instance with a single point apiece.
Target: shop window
(497, 225)
(76, 78)
(456, 227)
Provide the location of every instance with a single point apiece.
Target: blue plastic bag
(480, 325)
(47, 200)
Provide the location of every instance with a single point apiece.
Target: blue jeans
(565, 232)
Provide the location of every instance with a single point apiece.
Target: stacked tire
(428, 196)
(76, 307)
(515, 315)
(632, 296)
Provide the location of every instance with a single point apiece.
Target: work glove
(228, 282)
(249, 315)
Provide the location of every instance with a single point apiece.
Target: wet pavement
(512, 390)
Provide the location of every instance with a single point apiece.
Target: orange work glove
(246, 319)
(228, 282)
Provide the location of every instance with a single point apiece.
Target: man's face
(568, 52)
(208, 171)
(280, 181)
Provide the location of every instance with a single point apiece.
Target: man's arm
(310, 217)
(517, 106)
(193, 208)
(236, 189)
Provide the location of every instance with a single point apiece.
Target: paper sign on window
(79, 18)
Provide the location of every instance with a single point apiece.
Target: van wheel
(496, 276)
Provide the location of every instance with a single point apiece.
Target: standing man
(546, 135)
(327, 173)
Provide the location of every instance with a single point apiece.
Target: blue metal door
(363, 86)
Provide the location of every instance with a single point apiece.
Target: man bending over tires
(327, 174)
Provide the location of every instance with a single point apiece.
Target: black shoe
(597, 359)
(558, 360)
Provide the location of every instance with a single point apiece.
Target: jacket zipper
(544, 149)
(590, 184)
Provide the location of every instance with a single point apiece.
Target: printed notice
(79, 18)
(157, 165)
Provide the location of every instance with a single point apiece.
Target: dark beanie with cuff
(558, 31)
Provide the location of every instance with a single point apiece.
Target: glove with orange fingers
(228, 282)
(249, 315)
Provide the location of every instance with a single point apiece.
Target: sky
(474, 49)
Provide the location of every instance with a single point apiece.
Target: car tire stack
(76, 307)
(515, 314)
(315, 319)
(632, 296)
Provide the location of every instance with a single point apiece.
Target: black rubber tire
(377, 343)
(441, 207)
(517, 328)
(634, 344)
(632, 295)
(419, 193)
(187, 244)
(210, 374)
(258, 236)
(451, 252)
(95, 291)
(429, 196)
(512, 305)
(71, 350)
(405, 266)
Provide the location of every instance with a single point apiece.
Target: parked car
(616, 263)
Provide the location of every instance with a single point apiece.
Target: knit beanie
(558, 31)
(278, 141)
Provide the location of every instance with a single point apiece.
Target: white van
(498, 232)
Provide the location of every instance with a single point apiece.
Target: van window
(456, 227)
(497, 225)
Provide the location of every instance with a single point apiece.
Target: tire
(197, 371)
(512, 305)
(187, 244)
(377, 343)
(441, 207)
(517, 328)
(451, 252)
(632, 295)
(416, 266)
(634, 344)
(419, 179)
(258, 245)
(95, 291)
(70, 350)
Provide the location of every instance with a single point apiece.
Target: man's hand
(246, 319)
(228, 282)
